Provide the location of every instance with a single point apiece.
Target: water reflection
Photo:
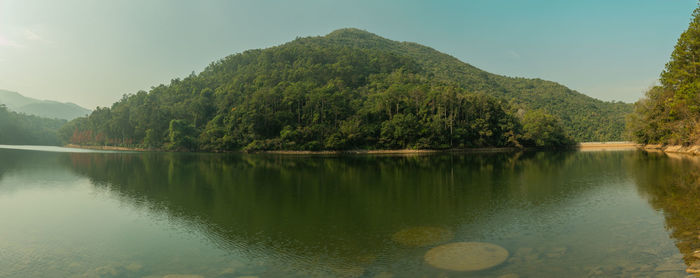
(340, 212)
(671, 184)
(47, 167)
(569, 214)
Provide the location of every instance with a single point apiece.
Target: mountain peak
(357, 36)
(351, 32)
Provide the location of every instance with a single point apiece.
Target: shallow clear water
(573, 214)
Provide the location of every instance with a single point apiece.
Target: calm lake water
(66, 213)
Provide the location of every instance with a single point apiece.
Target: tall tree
(670, 113)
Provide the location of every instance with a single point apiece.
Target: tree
(670, 113)
(181, 136)
(21, 129)
(152, 140)
(543, 130)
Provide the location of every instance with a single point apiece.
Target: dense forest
(21, 129)
(348, 90)
(670, 112)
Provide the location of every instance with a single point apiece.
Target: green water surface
(66, 213)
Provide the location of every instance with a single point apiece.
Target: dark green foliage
(22, 129)
(348, 90)
(584, 118)
(670, 112)
(152, 139)
(541, 130)
(180, 136)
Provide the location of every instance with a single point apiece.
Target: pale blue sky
(92, 52)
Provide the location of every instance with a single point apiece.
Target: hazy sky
(92, 52)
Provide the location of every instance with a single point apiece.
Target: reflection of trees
(671, 183)
(311, 206)
(15, 159)
(7, 162)
(37, 165)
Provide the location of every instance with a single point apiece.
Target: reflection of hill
(36, 165)
(342, 208)
(671, 183)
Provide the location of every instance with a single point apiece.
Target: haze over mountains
(42, 108)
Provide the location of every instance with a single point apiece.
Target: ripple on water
(422, 236)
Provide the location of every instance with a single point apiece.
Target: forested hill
(348, 89)
(584, 118)
(22, 129)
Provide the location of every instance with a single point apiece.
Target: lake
(77, 213)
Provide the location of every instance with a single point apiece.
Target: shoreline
(400, 151)
(585, 146)
(690, 150)
(326, 152)
(107, 148)
(607, 146)
(610, 145)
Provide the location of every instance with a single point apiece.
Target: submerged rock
(229, 270)
(422, 236)
(349, 271)
(134, 267)
(693, 268)
(466, 256)
(556, 252)
(366, 259)
(670, 266)
(107, 271)
(384, 275)
(668, 274)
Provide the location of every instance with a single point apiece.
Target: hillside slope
(42, 108)
(585, 118)
(349, 89)
(22, 129)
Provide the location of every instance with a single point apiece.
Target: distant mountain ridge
(42, 108)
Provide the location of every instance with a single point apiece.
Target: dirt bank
(619, 144)
(607, 146)
(694, 149)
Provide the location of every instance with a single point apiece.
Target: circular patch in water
(466, 256)
(422, 236)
